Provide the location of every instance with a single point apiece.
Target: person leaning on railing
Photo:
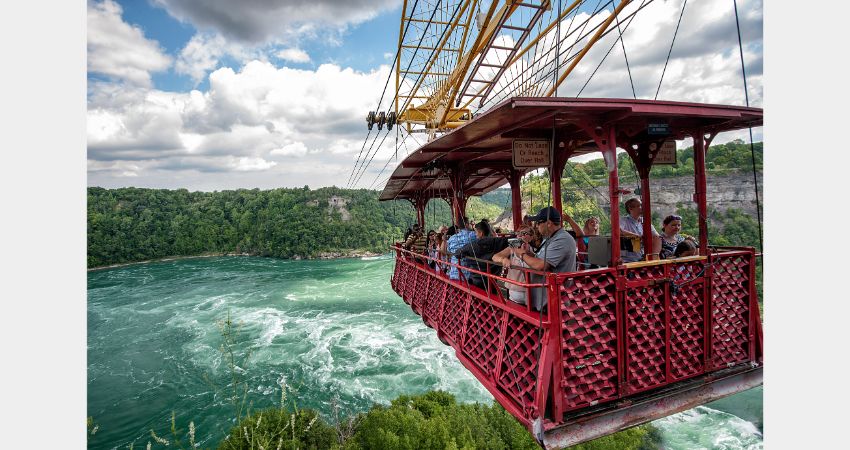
(463, 236)
(556, 254)
(416, 242)
(514, 265)
(482, 249)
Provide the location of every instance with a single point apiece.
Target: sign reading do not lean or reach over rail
(531, 153)
(666, 154)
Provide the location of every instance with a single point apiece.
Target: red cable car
(618, 345)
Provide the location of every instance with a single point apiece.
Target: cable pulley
(381, 118)
(391, 120)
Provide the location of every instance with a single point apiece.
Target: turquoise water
(332, 330)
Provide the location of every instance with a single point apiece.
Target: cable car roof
(484, 144)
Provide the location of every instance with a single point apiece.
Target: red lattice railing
(613, 333)
(589, 339)
(482, 335)
(730, 306)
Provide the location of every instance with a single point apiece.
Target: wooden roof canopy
(484, 145)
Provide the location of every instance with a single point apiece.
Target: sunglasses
(523, 233)
(673, 217)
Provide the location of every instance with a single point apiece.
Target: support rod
(700, 189)
(516, 197)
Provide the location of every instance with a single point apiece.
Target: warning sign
(531, 153)
(666, 154)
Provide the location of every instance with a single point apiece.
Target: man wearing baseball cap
(556, 254)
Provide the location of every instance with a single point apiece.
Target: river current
(333, 331)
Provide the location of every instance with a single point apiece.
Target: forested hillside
(135, 224)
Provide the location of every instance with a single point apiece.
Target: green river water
(332, 329)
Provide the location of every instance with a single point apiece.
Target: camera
(515, 242)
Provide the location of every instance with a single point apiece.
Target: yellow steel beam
(433, 21)
(462, 67)
(545, 31)
(420, 115)
(398, 56)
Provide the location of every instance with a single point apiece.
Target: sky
(206, 96)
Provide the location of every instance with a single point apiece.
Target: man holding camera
(556, 254)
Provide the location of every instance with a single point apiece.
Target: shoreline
(323, 255)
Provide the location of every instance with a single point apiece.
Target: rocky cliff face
(668, 195)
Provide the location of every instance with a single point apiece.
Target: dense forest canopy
(136, 224)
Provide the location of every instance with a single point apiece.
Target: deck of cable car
(616, 346)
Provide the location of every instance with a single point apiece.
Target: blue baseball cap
(547, 213)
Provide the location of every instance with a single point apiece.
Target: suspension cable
(752, 148)
(386, 84)
(671, 48)
(631, 19)
(363, 169)
(397, 146)
(628, 69)
(389, 75)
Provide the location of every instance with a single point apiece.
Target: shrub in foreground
(433, 420)
(277, 428)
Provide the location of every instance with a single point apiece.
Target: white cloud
(293, 149)
(248, 164)
(294, 54)
(248, 121)
(264, 21)
(199, 56)
(119, 50)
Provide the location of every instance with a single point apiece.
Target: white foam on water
(269, 323)
(707, 428)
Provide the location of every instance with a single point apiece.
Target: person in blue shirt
(463, 236)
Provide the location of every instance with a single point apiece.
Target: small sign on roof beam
(666, 154)
(531, 152)
(658, 129)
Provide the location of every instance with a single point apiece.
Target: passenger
(444, 248)
(463, 236)
(416, 242)
(483, 248)
(438, 244)
(591, 228)
(483, 229)
(432, 249)
(556, 254)
(514, 266)
(686, 248)
(670, 237)
(631, 226)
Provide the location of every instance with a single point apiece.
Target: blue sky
(359, 47)
(208, 96)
